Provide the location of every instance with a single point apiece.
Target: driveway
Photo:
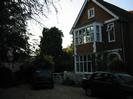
(59, 92)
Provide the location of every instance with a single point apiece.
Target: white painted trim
(82, 8)
(104, 8)
(89, 10)
(101, 33)
(94, 25)
(83, 61)
(110, 20)
(75, 52)
(110, 41)
(94, 43)
(114, 50)
(75, 65)
(116, 53)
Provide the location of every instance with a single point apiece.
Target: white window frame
(84, 35)
(79, 62)
(110, 29)
(91, 13)
(91, 33)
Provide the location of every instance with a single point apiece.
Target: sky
(67, 12)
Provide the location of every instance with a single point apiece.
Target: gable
(100, 14)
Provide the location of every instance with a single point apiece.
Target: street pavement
(58, 92)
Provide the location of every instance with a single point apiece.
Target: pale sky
(67, 13)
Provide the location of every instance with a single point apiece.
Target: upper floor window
(88, 34)
(98, 34)
(111, 32)
(91, 13)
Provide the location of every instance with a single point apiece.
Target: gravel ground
(59, 92)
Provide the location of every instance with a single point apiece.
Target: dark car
(42, 78)
(108, 84)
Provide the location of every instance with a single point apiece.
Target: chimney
(131, 12)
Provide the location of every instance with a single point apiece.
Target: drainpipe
(94, 45)
(123, 45)
(74, 48)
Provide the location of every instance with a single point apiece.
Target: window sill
(112, 41)
(91, 17)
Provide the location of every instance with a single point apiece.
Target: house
(103, 38)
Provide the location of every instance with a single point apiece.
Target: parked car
(108, 84)
(42, 78)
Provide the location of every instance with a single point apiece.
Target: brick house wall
(102, 51)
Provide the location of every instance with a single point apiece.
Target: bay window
(88, 34)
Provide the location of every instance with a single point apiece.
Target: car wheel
(88, 92)
(129, 97)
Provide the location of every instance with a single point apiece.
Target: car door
(103, 84)
(110, 86)
(97, 83)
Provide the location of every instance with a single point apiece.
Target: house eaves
(100, 5)
(78, 16)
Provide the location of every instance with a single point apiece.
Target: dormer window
(91, 13)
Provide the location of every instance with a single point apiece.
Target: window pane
(97, 29)
(91, 12)
(89, 66)
(92, 37)
(76, 41)
(77, 58)
(88, 39)
(83, 31)
(88, 30)
(81, 67)
(81, 58)
(111, 33)
(89, 57)
(85, 58)
(80, 32)
(85, 67)
(76, 33)
(92, 28)
(80, 40)
(98, 36)
(78, 68)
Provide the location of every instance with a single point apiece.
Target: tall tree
(13, 17)
(51, 42)
(12, 30)
(51, 45)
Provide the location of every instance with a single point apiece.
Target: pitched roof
(123, 14)
(110, 8)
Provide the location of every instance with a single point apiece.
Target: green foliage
(68, 58)
(13, 17)
(51, 42)
(51, 45)
(13, 30)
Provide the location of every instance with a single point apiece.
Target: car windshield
(124, 78)
(42, 72)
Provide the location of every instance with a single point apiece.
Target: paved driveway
(59, 92)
